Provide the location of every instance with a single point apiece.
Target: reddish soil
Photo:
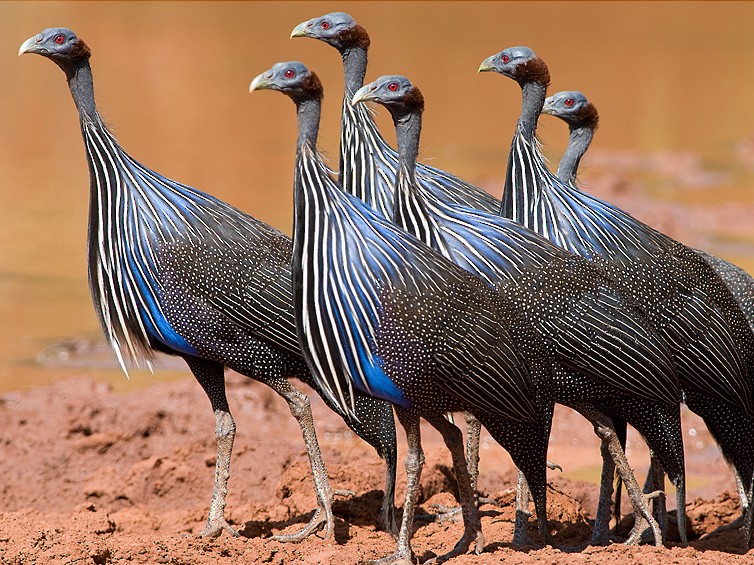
(91, 476)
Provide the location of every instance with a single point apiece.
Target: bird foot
(450, 513)
(462, 547)
(443, 514)
(215, 527)
(319, 518)
(554, 466)
(343, 493)
(642, 525)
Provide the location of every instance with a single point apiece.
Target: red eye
(569, 102)
(505, 58)
(392, 87)
(289, 73)
(325, 25)
(59, 39)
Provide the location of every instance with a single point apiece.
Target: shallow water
(672, 82)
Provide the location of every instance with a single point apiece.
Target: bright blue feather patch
(154, 321)
(382, 387)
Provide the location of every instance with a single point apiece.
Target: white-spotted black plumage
(608, 357)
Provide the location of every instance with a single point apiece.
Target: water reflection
(171, 79)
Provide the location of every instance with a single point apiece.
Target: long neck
(355, 69)
(118, 300)
(521, 179)
(532, 99)
(408, 128)
(410, 210)
(578, 143)
(81, 83)
(308, 113)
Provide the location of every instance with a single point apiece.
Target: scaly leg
(414, 462)
(656, 482)
(601, 533)
(466, 491)
(301, 410)
(212, 378)
(640, 502)
(473, 433)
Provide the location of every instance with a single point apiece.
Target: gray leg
(212, 378)
(680, 499)
(743, 496)
(601, 533)
(521, 525)
(466, 491)
(604, 429)
(301, 410)
(749, 516)
(473, 432)
(659, 505)
(414, 462)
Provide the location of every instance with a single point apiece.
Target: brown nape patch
(415, 100)
(312, 85)
(588, 116)
(80, 50)
(533, 70)
(356, 36)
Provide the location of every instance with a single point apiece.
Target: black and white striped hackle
(176, 270)
(582, 118)
(368, 165)
(384, 313)
(683, 297)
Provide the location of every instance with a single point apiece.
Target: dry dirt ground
(91, 476)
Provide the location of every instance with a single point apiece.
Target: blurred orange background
(673, 83)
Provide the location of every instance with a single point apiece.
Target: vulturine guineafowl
(368, 165)
(681, 295)
(383, 313)
(176, 270)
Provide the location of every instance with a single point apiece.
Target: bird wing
(740, 283)
(594, 328)
(490, 357)
(684, 300)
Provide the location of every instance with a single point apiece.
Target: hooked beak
(31, 45)
(547, 108)
(364, 94)
(301, 30)
(487, 65)
(261, 82)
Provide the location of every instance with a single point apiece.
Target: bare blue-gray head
(59, 45)
(582, 118)
(292, 78)
(572, 107)
(395, 92)
(519, 63)
(337, 29)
